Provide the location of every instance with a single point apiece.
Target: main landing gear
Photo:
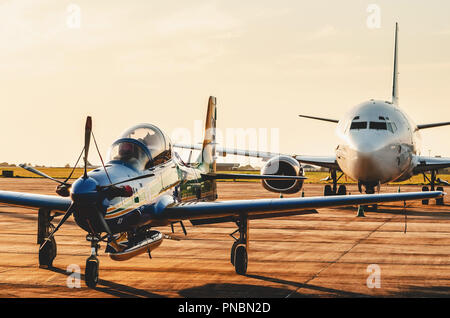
(47, 253)
(333, 190)
(239, 256)
(432, 181)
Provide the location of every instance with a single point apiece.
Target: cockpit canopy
(142, 146)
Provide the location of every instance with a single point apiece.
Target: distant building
(226, 166)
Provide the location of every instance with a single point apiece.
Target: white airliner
(378, 143)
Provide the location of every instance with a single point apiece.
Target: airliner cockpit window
(378, 125)
(358, 125)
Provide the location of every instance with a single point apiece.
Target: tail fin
(208, 155)
(395, 77)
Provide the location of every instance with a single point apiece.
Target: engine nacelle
(283, 166)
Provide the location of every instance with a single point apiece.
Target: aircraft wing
(327, 162)
(322, 161)
(51, 202)
(430, 163)
(228, 151)
(219, 209)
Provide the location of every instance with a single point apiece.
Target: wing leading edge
(30, 200)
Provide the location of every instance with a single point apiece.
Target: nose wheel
(239, 256)
(92, 262)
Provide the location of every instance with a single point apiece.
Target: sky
(129, 62)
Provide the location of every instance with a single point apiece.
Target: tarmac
(332, 253)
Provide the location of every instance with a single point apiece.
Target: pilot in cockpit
(127, 151)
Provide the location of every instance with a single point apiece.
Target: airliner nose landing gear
(239, 256)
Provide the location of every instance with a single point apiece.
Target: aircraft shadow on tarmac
(398, 210)
(256, 291)
(114, 289)
(421, 291)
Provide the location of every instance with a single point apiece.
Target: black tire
(327, 190)
(241, 260)
(425, 202)
(47, 254)
(342, 190)
(233, 251)
(440, 201)
(91, 272)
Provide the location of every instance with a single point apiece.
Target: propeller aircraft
(145, 184)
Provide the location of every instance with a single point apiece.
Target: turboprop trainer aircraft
(379, 143)
(145, 184)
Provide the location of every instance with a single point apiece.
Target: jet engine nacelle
(283, 166)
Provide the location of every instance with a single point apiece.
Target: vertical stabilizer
(395, 77)
(208, 155)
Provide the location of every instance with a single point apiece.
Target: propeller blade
(41, 174)
(64, 219)
(87, 141)
(103, 221)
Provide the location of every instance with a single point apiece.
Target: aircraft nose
(368, 157)
(84, 191)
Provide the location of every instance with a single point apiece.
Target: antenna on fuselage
(395, 77)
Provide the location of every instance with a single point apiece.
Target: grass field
(313, 177)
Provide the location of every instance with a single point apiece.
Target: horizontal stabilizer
(433, 125)
(320, 118)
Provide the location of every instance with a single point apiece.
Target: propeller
(87, 141)
(24, 166)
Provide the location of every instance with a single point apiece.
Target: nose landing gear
(92, 262)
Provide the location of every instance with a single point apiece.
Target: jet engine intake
(282, 166)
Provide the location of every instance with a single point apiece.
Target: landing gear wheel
(233, 252)
(241, 260)
(342, 190)
(440, 201)
(47, 254)
(91, 273)
(425, 202)
(327, 190)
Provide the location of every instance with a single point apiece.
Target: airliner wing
(51, 202)
(229, 151)
(327, 162)
(430, 163)
(205, 210)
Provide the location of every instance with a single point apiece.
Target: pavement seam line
(340, 256)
